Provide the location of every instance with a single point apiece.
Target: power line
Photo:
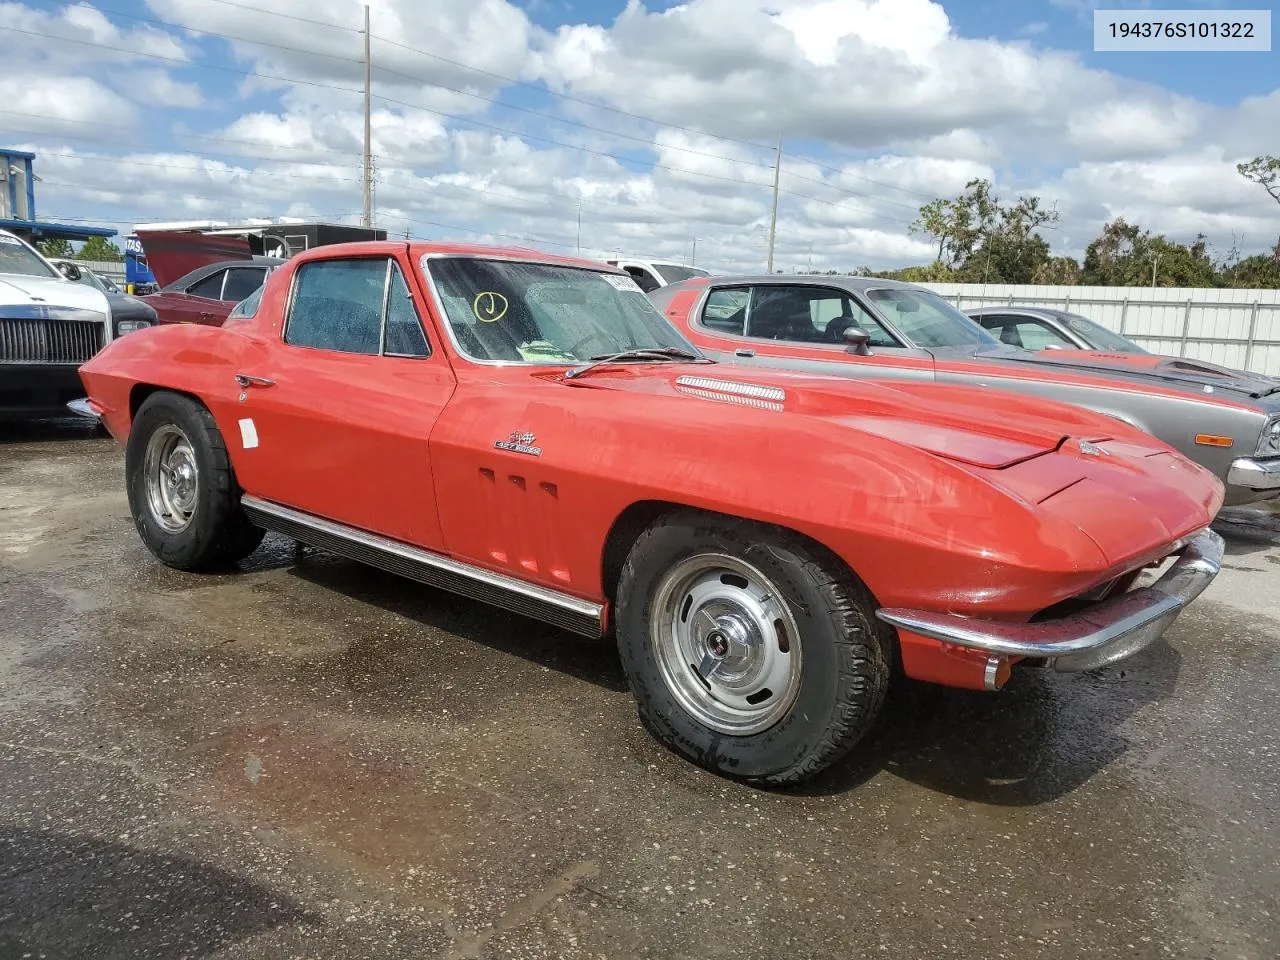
(648, 141)
(498, 76)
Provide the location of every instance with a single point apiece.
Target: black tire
(218, 533)
(845, 667)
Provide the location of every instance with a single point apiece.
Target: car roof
(841, 281)
(1049, 312)
(199, 273)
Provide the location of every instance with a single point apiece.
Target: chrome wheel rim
(726, 643)
(172, 478)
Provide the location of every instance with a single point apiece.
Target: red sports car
(768, 548)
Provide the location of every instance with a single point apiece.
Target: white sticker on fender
(248, 434)
(621, 283)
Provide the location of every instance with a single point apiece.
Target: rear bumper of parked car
(1249, 480)
(1101, 634)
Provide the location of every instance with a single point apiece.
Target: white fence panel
(1234, 328)
(112, 269)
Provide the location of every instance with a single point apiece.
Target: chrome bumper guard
(1105, 633)
(1254, 474)
(83, 408)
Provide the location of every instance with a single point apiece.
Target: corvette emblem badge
(520, 442)
(1091, 449)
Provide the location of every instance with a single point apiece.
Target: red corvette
(768, 547)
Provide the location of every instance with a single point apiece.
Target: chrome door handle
(245, 380)
(743, 352)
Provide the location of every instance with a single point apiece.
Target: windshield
(674, 274)
(516, 311)
(17, 258)
(1099, 337)
(929, 321)
(91, 279)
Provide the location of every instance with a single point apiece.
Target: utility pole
(1154, 267)
(693, 260)
(366, 219)
(773, 218)
(579, 228)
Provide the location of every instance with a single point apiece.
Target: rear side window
(726, 310)
(242, 281)
(247, 307)
(210, 287)
(357, 306)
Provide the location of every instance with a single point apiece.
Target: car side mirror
(69, 270)
(857, 339)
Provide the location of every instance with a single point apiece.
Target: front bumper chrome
(1254, 474)
(85, 408)
(1104, 633)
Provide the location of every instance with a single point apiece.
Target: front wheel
(182, 491)
(750, 650)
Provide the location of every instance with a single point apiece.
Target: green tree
(1125, 255)
(983, 241)
(58, 248)
(1264, 171)
(99, 248)
(1261, 271)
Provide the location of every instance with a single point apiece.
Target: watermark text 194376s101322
(1136, 31)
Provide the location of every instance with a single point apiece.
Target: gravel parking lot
(306, 758)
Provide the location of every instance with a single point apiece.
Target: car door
(800, 326)
(336, 416)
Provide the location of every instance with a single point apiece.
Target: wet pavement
(305, 758)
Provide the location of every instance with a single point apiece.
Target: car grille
(49, 341)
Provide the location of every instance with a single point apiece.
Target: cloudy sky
(502, 119)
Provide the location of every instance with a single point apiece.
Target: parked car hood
(17, 290)
(1194, 375)
(125, 306)
(1128, 492)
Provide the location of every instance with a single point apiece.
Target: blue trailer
(138, 277)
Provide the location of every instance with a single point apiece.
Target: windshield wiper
(638, 353)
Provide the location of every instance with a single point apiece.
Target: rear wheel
(182, 490)
(750, 650)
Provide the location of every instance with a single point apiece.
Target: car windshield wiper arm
(639, 353)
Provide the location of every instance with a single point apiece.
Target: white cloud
(893, 103)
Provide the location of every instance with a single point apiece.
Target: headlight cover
(1269, 442)
(129, 326)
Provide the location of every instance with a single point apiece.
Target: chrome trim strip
(754, 390)
(1102, 634)
(1254, 474)
(581, 610)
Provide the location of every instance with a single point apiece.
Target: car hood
(1127, 492)
(35, 293)
(129, 307)
(1178, 372)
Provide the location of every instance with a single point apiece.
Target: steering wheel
(587, 339)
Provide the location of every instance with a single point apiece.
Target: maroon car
(207, 294)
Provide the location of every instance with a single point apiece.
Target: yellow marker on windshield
(489, 307)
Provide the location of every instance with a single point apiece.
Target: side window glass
(404, 337)
(643, 279)
(726, 310)
(1036, 335)
(337, 305)
(210, 287)
(242, 281)
(247, 307)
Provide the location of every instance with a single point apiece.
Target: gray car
(1226, 420)
(1042, 328)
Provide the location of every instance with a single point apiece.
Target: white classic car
(49, 326)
